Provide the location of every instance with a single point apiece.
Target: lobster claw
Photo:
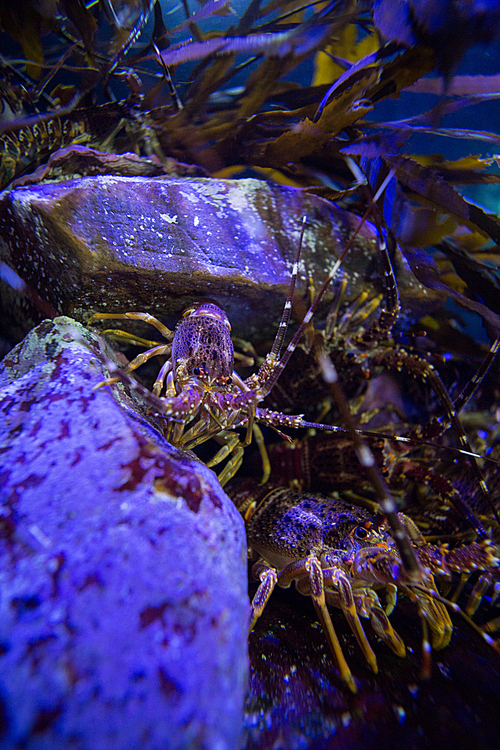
(377, 565)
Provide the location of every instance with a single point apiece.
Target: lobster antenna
(279, 365)
(366, 458)
(287, 310)
(469, 390)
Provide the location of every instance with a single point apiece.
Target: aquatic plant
(289, 91)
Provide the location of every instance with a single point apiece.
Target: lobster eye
(196, 370)
(360, 532)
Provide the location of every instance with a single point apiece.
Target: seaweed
(289, 90)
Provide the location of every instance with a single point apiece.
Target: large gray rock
(123, 602)
(117, 244)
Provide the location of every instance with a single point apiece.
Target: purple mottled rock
(118, 244)
(123, 601)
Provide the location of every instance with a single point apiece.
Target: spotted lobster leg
(309, 568)
(334, 577)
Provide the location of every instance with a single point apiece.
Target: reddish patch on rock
(45, 327)
(151, 614)
(7, 528)
(107, 445)
(181, 486)
(137, 473)
(35, 428)
(85, 401)
(7, 405)
(77, 458)
(179, 480)
(4, 475)
(93, 579)
(33, 480)
(26, 405)
(36, 649)
(59, 361)
(44, 719)
(176, 477)
(64, 430)
(168, 686)
(3, 719)
(56, 397)
(55, 566)
(24, 604)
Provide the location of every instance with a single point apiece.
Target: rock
(118, 244)
(123, 609)
(77, 160)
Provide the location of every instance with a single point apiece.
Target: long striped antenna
(366, 458)
(281, 364)
(287, 310)
(271, 418)
(426, 372)
(471, 387)
(273, 356)
(457, 425)
(382, 327)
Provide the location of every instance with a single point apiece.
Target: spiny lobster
(340, 554)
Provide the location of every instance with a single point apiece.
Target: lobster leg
(383, 628)
(313, 566)
(145, 317)
(268, 578)
(338, 579)
(310, 579)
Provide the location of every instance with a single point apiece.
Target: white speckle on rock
(40, 536)
(190, 197)
(169, 219)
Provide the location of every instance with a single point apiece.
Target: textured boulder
(123, 603)
(117, 244)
